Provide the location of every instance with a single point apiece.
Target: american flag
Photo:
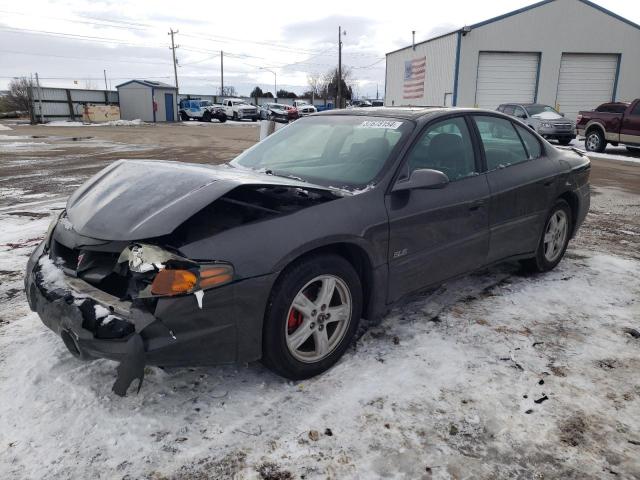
(414, 78)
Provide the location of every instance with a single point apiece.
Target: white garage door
(506, 77)
(586, 80)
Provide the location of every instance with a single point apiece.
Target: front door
(436, 234)
(168, 107)
(522, 181)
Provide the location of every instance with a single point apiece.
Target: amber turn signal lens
(214, 276)
(173, 282)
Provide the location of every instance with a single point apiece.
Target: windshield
(536, 109)
(338, 151)
(205, 103)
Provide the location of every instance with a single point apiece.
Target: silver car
(545, 120)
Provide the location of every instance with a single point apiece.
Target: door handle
(476, 205)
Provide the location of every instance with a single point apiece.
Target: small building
(570, 54)
(148, 100)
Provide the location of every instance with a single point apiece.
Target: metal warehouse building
(149, 101)
(571, 54)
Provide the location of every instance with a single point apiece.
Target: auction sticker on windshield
(380, 124)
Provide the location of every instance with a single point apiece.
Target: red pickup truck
(615, 123)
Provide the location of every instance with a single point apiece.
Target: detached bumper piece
(92, 323)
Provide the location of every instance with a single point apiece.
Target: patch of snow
(120, 123)
(52, 275)
(101, 311)
(4, 127)
(63, 123)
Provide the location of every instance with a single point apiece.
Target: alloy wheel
(318, 318)
(555, 235)
(593, 142)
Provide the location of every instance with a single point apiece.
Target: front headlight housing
(169, 281)
(545, 124)
(165, 273)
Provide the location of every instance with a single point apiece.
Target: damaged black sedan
(279, 254)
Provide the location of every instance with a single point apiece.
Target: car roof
(404, 113)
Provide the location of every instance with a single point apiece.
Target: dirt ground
(498, 375)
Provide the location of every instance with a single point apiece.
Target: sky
(70, 43)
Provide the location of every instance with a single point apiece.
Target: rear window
(611, 108)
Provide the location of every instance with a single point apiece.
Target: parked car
(238, 109)
(544, 119)
(377, 103)
(278, 112)
(202, 110)
(617, 123)
(360, 103)
(304, 108)
(279, 254)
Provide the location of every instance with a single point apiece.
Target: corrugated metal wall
(66, 103)
(440, 55)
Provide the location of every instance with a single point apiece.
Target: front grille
(563, 126)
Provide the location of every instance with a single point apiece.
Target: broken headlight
(171, 274)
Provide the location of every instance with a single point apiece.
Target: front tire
(312, 316)
(633, 150)
(184, 117)
(595, 141)
(235, 116)
(206, 117)
(564, 141)
(222, 118)
(554, 239)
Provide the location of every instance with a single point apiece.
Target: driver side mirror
(422, 178)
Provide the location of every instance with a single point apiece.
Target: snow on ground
(233, 123)
(4, 127)
(619, 153)
(112, 123)
(497, 375)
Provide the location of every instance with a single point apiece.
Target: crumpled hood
(138, 199)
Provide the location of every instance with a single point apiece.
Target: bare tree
(228, 92)
(18, 97)
(314, 80)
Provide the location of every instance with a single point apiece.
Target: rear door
(522, 181)
(630, 130)
(439, 233)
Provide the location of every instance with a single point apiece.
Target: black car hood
(138, 199)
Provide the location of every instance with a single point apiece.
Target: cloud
(325, 30)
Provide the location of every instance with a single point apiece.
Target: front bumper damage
(170, 331)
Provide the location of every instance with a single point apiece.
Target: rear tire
(299, 344)
(595, 141)
(553, 240)
(184, 117)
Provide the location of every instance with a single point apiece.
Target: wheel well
(358, 259)
(594, 127)
(572, 199)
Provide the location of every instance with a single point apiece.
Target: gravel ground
(494, 376)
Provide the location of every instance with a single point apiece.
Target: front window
(537, 109)
(339, 151)
(205, 103)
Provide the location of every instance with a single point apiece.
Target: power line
(92, 58)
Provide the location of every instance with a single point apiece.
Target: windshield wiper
(284, 175)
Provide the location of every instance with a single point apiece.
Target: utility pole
(105, 80)
(40, 98)
(173, 49)
(339, 95)
(221, 73)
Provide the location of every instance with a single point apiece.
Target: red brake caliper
(294, 321)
